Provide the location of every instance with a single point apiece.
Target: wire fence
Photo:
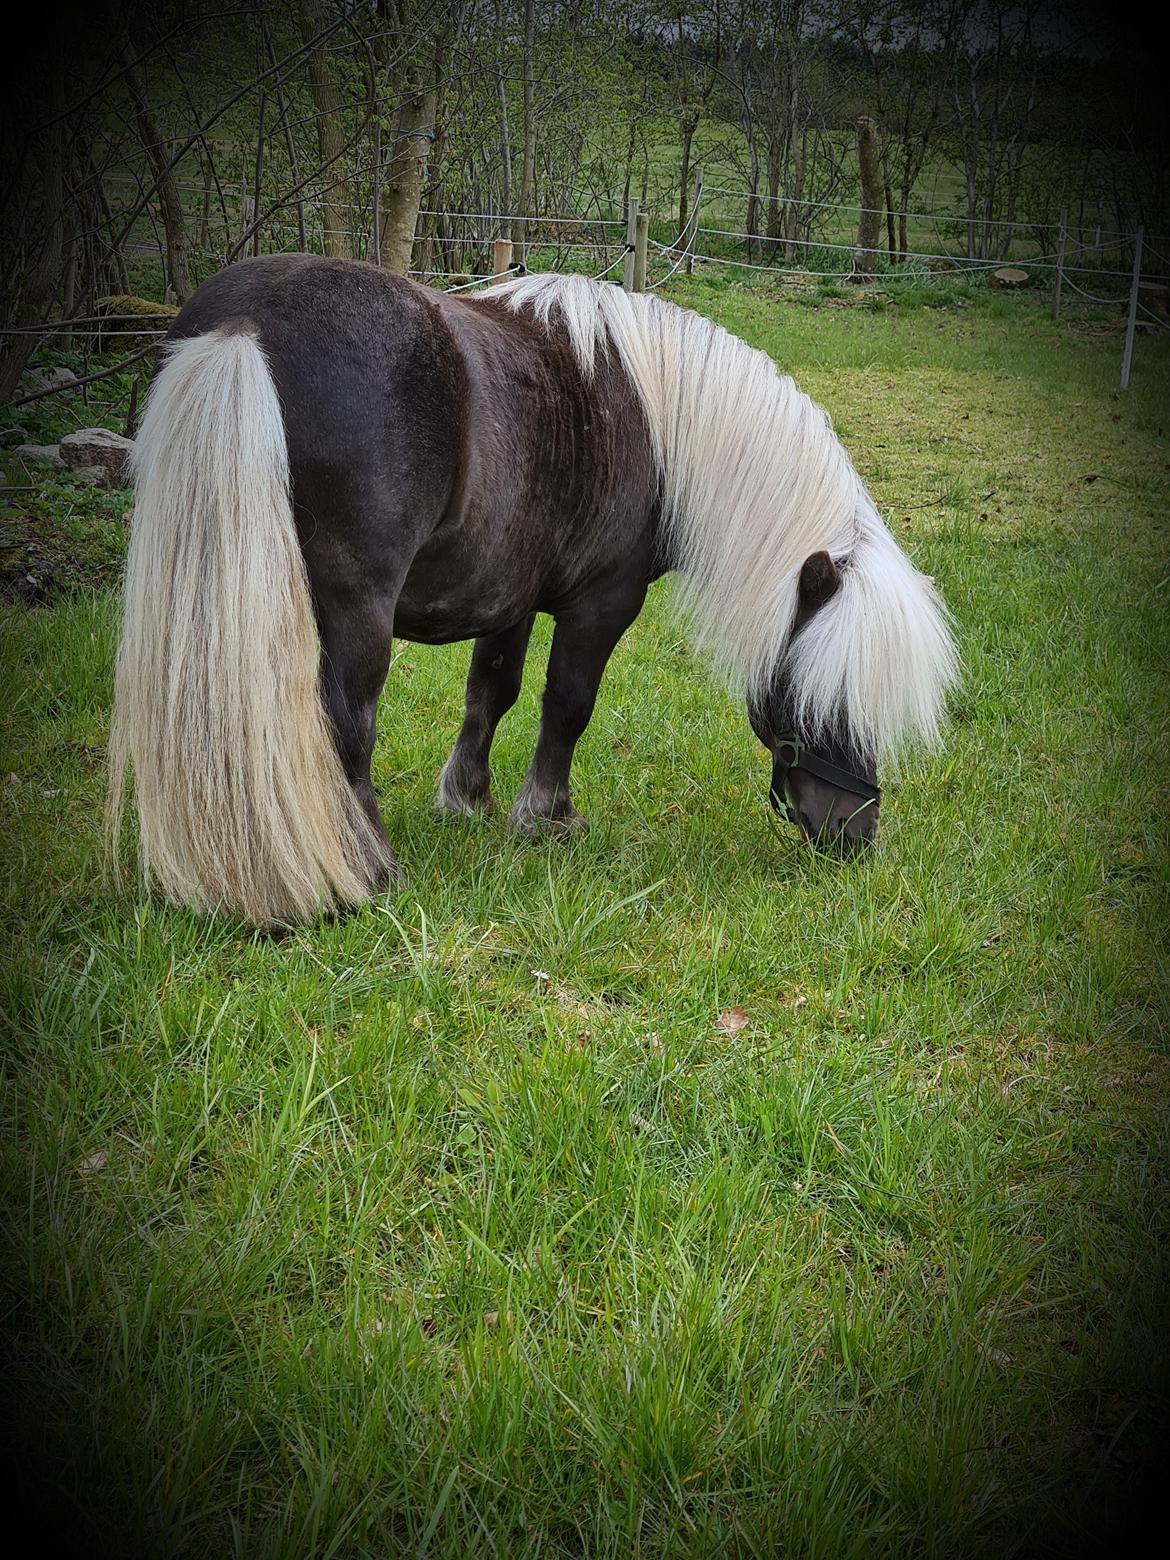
(459, 251)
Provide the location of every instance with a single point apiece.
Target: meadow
(667, 1190)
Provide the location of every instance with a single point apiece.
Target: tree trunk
(174, 225)
(415, 125)
(629, 178)
(869, 222)
(752, 223)
(505, 148)
(891, 237)
(795, 196)
(527, 205)
(327, 104)
(775, 211)
(687, 128)
(45, 271)
(290, 148)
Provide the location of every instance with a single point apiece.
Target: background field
(466, 1226)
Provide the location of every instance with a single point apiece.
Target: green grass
(461, 1227)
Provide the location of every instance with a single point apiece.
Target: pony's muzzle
(838, 822)
(847, 837)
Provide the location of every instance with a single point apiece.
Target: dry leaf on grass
(732, 1020)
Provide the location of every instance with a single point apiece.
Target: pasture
(665, 1191)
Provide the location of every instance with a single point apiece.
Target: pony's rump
(241, 799)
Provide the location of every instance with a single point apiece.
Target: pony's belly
(441, 620)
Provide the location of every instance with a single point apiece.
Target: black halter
(843, 779)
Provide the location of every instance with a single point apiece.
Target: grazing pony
(331, 455)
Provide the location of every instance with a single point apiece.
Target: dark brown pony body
(453, 474)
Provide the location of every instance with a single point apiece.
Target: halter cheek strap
(790, 753)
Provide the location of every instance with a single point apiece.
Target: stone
(98, 455)
(43, 454)
(52, 378)
(1009, 276)
(124, 316)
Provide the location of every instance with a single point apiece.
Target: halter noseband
(843, 779)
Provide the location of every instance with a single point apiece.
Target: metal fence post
(1127, 356)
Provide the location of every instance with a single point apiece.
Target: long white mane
(754, 480)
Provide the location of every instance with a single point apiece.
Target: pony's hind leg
(582, 645)
(356, 642)
(493, 686)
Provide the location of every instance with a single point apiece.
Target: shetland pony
(331, 455)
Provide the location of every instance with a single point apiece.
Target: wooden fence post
(641, 234)
(501, 256)
(696, 197)
(631, 245)
(1060, 243)
(1131, 321)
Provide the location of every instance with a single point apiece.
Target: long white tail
(242, 803)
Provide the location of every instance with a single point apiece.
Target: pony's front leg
(493, 686)
(582, 645)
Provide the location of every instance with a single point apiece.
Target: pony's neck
(754, 480)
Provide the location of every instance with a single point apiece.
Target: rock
(126, 315)
(1008, 276)
(52, 378)
(98, 455)
(43, 454)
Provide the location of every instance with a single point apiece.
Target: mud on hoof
(462, 792)
(539, 813)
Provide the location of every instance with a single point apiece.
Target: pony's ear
(818, 581)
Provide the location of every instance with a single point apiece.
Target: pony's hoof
(558, 821)
(456, 806)
(463, 794)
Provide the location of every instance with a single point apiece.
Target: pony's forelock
(754, 480)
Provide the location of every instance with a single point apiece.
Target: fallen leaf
(731, 1020)
(93, 1163)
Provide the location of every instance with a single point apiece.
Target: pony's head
(824, 779)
